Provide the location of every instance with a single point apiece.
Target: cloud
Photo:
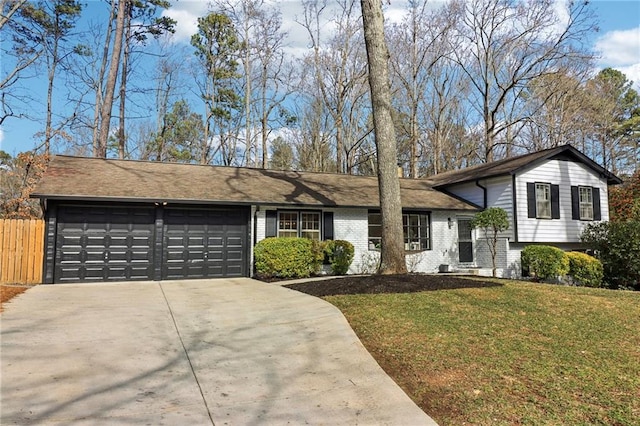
(186, 14)
(619, 48)
(633, 74)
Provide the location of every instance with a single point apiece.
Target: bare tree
(266, 78)
(392, 256)
(62, 15)
(338, 72)
(20, 47)
(502, 46)
(140, 22)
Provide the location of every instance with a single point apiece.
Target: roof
(513, 165)
(79, 178)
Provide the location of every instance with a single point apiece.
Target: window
(586, 203)
(310, 225)
(415, 227)
(299, 224)
(543, 200)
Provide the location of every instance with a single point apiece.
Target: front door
(465, 241)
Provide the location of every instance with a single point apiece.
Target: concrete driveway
(236, 351)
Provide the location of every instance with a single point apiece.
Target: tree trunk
(392, 256)
(114, 66)
(99, 80)
(123, 85)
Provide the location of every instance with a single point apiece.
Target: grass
(520, 353)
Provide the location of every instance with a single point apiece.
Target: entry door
(465, 241)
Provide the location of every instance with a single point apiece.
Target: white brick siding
(351, 224)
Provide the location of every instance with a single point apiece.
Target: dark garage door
(104, 244)
(202, 243)
(123, 243)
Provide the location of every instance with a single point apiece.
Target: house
(550, 196)
(113, 220)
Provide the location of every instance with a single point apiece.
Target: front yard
(500, 352)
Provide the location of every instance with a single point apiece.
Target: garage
(97, 242)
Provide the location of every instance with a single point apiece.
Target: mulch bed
(7, 292)
(404, 283)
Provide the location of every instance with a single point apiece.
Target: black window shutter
(597, 214)
(575, 203)
(555, 202)
(272, 223)
(531, 200)
(327, 226)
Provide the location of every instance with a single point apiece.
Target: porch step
(482, 272)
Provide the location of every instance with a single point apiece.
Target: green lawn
(520, 353)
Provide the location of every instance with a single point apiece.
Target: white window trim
(547, 201)
(588, 205)
(409, 246)
(299, 231)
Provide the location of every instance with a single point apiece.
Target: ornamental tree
(492, 221)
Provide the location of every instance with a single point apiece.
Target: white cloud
(619, 48)
(1, 137)
(186, 14)
(633, 74)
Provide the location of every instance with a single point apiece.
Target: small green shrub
(340, 255)
(585, 270)
(288, 257)
(545, 262)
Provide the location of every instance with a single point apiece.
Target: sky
(617, 43)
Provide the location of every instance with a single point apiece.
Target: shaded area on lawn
(378, 284)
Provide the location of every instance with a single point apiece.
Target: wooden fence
(21, 251)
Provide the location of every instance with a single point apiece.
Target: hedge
(545, 262)
(288, 257)
(585, 270)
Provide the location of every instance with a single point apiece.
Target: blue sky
(617, 43)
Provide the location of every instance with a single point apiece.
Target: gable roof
(513, 165)
(79, 178)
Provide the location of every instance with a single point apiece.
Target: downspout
(515, 209)
(255, 241)
(484, 193)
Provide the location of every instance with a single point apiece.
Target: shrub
(340, 255)
(585, 270)
(287, 257)
(617, 245)
(545, 262)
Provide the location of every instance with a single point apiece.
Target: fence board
(21, 251)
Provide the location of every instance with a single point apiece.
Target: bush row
(550, 263)
(301, 257)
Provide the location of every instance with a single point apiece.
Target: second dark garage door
(104, 242)
(201, 243)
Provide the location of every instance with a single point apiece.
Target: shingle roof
(78, 178)
(515, 164)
